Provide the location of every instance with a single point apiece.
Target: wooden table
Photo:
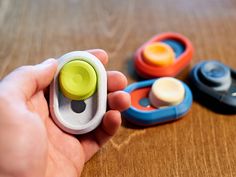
(202, 143)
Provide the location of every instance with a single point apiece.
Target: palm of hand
(64, 155)
(30, 143)
(39, 145)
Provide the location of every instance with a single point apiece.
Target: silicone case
(182, 48)
(215, 83)
(95, 106)
(147, 115)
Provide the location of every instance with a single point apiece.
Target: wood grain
(203, 142)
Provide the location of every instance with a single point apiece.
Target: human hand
(30, 143)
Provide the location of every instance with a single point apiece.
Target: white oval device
(79, 116)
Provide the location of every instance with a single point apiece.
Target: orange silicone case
(150, 71)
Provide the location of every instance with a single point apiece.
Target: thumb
(27, 80)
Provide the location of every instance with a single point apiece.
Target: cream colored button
(166, 91)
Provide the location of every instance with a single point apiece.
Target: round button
(159, 54)
(216, 75)
(166, 91)
(78, 80)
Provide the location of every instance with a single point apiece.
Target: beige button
(166, 91)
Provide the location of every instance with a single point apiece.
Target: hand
(30, 143)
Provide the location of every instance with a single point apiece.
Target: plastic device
(78, 92)
(165, 54)
(216, 83)
(157, 101)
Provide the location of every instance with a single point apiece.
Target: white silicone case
(60, 106)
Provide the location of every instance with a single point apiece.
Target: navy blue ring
(176, 45)
(215, 73)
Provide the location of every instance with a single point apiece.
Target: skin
(30, 143)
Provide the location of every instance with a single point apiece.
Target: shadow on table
(131, 70)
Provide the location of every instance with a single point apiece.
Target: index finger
(100, 54)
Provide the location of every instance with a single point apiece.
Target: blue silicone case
(219, 101)
(148, 118)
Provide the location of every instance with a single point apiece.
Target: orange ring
(137, 95)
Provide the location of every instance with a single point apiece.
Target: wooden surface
(202, 143)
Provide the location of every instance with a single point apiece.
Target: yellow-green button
(78, 80)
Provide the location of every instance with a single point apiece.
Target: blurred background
(202, 143)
